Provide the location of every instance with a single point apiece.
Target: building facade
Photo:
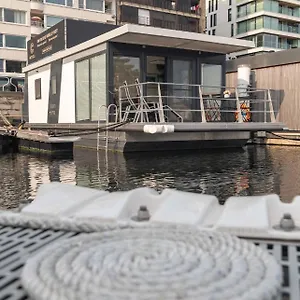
(271, 25)
(186, 15)
(20, 20)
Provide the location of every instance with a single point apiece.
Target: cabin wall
(67, 94)
(38, 108)
(283, 81)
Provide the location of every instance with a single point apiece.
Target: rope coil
(152, 262)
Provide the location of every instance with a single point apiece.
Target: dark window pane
(1, 65)
(81, 4)
(82, 91)
(14, 16)
(53, 85)
(14, 66)
(14, 41)
(38, 89)
(95, 5)
(60, 2)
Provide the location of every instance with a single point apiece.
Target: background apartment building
(271, 25)
(20, 20)
(186, 15)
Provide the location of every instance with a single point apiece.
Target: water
(250, 171)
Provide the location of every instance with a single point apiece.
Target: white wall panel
(67, 95)
(38, 109)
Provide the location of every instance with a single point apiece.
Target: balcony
(37, 5)
(168, 5)
(37, 27)
(155, 22)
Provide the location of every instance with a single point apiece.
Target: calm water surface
(251, 171)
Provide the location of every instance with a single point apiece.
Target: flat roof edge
(266, 60)
(144, 30)
(103, 38)
(214, 39)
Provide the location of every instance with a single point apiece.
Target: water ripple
(252, 171)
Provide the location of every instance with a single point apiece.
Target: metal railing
(9, 86)
(170, 5)
(37, 23)
(106, 112)
(174, 102)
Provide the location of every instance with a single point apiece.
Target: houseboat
(140, 88)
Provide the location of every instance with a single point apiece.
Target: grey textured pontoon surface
(18, 244)
(179, 127)
(209, 126)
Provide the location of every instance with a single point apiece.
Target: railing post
(120, 105)
(160, 103)
(98, 123)
(272, 113)
(238, 107)
(265, 107)
(203, 117)
(141, 102)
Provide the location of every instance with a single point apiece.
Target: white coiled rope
(152, 263)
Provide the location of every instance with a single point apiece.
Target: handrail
(193, 103)
(197, 85)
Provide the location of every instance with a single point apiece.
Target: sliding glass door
(181, 102)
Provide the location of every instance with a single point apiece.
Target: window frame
(229, 15)
(53, 84)
(13, 35)
(2, 17)
(38, 89)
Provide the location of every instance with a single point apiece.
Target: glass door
(180, 101)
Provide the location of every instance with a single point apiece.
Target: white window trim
(92, 10)
(13, 23)
(60, 5)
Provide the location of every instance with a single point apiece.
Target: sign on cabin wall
(47, 43)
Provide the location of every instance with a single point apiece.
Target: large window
(81, 3)
(95, 5)
(13, 66)
(60, 2)
(211, 78)
(126, 68)
(1, 40)
(14, 16)
(267, 5)
(91, 88)
(15, 41)
(1, 65)
(82, 91)
(180, 102)
(249, 25)
(264, 40)
(98, 86)
(250, 8)
(51, 20)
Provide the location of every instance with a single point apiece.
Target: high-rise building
(271, 25)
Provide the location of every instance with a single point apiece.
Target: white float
(158, 129)
(253, 216)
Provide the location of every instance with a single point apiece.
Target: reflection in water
(253, 171)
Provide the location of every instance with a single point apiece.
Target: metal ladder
(105, 136)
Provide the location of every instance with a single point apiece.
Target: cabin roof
(155, 37)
